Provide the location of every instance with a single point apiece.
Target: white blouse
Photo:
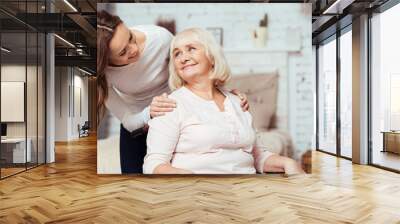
(197, 136)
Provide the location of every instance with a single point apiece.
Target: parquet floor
(387, 159)
(9, 171)
(70, 191)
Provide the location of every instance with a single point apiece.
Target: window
(327, 97)
(385, 88)
(22, 67)
(394, 102)
(346, 94)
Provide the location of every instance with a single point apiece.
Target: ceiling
(332, 15)
(74, 23)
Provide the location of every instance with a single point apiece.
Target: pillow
(261, 92)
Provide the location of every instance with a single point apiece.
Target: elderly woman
(208, 132)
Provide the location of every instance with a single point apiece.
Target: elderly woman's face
(190, 59)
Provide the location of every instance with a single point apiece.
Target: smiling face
(123, 47)
(190, 59)
(196, 58)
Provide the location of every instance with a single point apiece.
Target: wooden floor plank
(70, 191)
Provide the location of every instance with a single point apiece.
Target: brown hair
(106, 24)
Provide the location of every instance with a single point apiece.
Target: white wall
(14, 73)
(80, 84)
(17, 73)
(34, 124)
(68, 83)
(314, 74)
(61, 103)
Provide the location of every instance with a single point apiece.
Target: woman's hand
(168, 169)
(160, 105)
(292, 167)
(277, 163)
(243, 99)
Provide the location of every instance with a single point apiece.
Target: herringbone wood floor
(70, 191)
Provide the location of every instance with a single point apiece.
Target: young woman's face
(190, 59)
(123, 47)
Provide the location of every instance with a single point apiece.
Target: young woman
(132, 76)
(207, 133)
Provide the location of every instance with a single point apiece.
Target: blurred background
(270, 56)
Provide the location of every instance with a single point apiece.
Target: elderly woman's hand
(277, 163)
(168, 169)
(160, 105)
(243, 99)
(292, 167)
